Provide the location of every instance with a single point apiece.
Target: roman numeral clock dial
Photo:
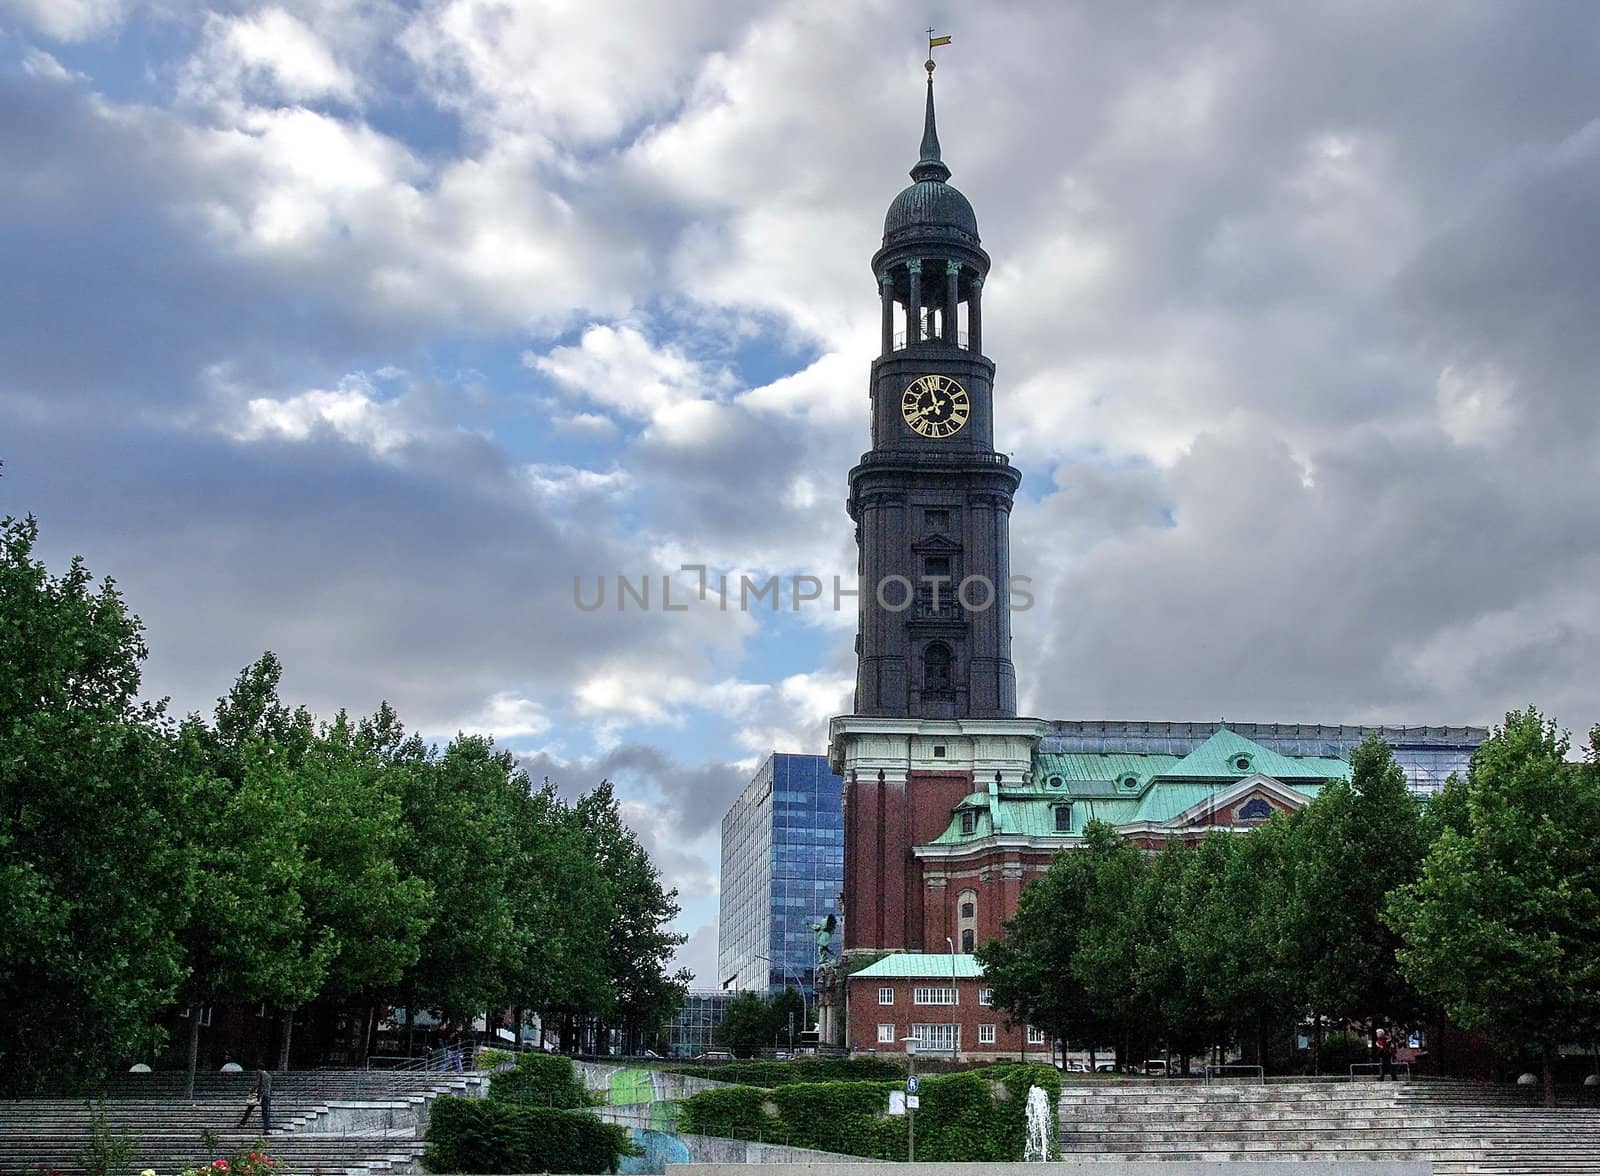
(935, 406)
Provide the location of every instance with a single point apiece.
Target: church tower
(935, 721)
(932, 500)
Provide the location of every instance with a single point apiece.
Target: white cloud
(508, 718)
(617, 367)
(69, 20)
(351, 412)
(269, 54)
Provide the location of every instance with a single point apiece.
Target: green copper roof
(915, 965)
(1222, 755)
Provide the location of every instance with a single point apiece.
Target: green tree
(1167, 981)
(92, 880)
(639, 942)
(1070, 922)
(746, 1024)
(1356, 842)
(1502, 930)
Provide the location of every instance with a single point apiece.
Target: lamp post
(911, 1109)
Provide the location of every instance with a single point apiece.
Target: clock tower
(932, 500)
(935, 721)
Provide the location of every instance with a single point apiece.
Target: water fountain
(1037, 1148)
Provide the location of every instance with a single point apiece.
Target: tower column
(886, 286)
(914, 307)
(952, 291)
(975, 315)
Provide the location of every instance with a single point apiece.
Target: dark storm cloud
(693, 797)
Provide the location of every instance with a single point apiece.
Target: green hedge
(541, 1080)
(977, 1116)
(771, 1074)
(477, 1135)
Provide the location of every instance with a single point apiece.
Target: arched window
(1256, 809)
(967, 919)
(936, 667)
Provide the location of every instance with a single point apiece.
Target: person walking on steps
(1386, 1057)
(260, 1096)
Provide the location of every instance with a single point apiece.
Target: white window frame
(886, 1034)
(1035, 1035)
(886, 995)
(935, 995)
(986, 997)
(986, 1035)
(938, 1037)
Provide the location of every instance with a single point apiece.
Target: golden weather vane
(933, 43)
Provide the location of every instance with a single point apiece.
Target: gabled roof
(916, 965)
(1219, 756)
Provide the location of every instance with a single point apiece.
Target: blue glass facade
(782, 870)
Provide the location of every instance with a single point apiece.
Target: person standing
(260, 1096)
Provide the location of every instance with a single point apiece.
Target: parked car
(1155, 1066)
(1106, 1068)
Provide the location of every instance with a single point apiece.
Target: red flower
(220, 1165)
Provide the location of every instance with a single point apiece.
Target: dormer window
(1129, 781)
(1242, 762)
(969, 821)
(1063, 818)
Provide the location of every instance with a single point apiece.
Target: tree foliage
(1503, 925)
(258, 857)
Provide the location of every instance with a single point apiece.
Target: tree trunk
(1547, 1064)
(288, 1036)
(517, 1028)
(194, 1052)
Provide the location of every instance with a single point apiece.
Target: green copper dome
(930, 207)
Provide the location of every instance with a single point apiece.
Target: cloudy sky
(356, 330)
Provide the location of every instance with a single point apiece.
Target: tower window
(938, 520)
(937, 565)
(938, 751)
(967, 940)
(968, 910)
(936, 667)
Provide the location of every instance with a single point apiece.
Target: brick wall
(866, 1013)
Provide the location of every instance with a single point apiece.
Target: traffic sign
(913, 1084)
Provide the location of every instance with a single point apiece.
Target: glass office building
(693, 1028)
(782, 870)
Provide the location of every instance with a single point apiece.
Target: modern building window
(933, 996)
(886, 996)
(885, 1033)
(935, 1038)
(936, 667)
(967, 940)
(985, 1034)
(1035, 1036)
(986, 996)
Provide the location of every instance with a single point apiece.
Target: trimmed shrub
(771, 1074)
(847, 1117)
(740, 1112)
(480, 1136)
(540, 1080)
(977, 1116)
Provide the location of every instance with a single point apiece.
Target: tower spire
(929, 165)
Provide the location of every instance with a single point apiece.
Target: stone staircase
(1462, 1128)
(325, 1123)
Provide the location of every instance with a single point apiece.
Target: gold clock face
(935, 406)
